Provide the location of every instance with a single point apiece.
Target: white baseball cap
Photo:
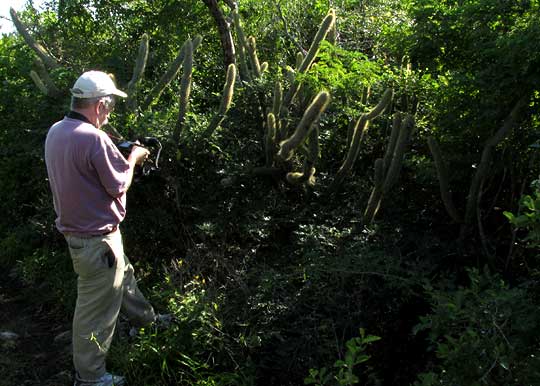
(93, 84)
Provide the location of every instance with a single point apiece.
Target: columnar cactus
(311, 115)
(43, 61)
(485, 161)
(43, 80)
(277, 99)
(376, 193)
(138, 71)
(39, 83)
(396, 126)
(254, 59)
(299, 59)
(385, 179)
(332, 36)
(169, 75)
(242, 47)
(392, 173)
(270, 139)
(226, 100)
(325, 26)
(307, 176)
(250, 67)
(358, 134)
(185, 88)
(277, 134)
(41, 52)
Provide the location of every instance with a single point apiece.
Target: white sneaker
(106, 379)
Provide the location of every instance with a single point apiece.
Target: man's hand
(138, 155)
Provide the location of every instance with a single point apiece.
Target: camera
(152, 144)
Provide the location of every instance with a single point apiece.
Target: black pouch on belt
(109, 255)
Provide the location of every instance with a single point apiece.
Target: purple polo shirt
(88, 178)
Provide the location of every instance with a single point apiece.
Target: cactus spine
(138, 71)
(359, 131)
(311, 115)
(226, 100)
(169, 75)
(332, 34)
(254, 59)
(307, 176)
(299, 59)
(326, 24)
(185, 88)
(39, 83)
(270, 139)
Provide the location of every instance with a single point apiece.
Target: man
(89, 178)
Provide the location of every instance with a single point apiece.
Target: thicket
(329, 207)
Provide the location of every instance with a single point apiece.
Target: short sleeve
(111, 166)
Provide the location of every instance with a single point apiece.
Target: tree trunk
(224, 32)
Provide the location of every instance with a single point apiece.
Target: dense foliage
(273, 268)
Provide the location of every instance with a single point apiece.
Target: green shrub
(192, 351)
(51, 270)
(482, 334)
(529, 218)
(344, 368)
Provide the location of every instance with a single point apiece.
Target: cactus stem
(226, 100)
(185, 89)
(138, 71)
(311, 115)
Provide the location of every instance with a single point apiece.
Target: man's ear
(99, 106)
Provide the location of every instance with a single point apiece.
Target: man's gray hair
(82, 103)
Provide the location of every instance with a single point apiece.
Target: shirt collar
(75, 115)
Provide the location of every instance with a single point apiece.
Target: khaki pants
(106, 286)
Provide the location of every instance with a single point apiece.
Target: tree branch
(224, 31)
(291, 38)
(487, 156)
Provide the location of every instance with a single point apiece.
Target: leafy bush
(193, 350)
(344, 373)
(529, 219)
(482, 334)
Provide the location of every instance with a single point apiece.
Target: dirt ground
(35, 337)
